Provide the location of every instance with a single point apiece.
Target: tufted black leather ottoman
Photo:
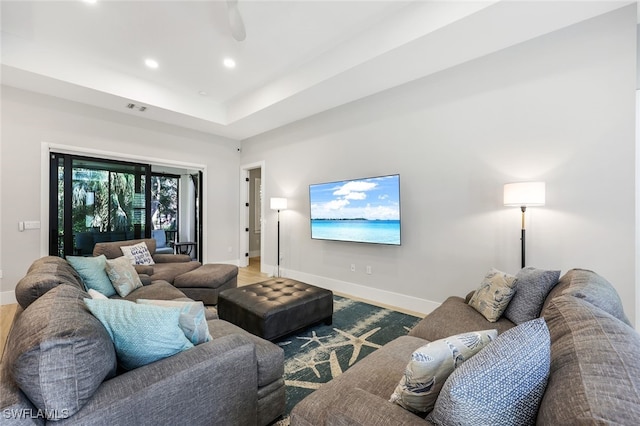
(276, 307)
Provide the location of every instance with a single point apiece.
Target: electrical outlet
(368, 269)
(353, 267)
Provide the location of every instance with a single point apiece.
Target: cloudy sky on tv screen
(361, 210)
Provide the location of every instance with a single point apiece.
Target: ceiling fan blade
(235, 21)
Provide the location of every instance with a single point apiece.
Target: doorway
(252, 214)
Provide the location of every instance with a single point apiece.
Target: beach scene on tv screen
(361, 210)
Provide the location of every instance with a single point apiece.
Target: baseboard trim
(383, 297)
(7, 297)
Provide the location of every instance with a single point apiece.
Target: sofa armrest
(214, 383)
(170, 258)
(363, 408)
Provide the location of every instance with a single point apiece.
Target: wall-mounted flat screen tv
(363, 210)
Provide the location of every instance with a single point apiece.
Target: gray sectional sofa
(195, 280)
(594, 373)
(60, 355)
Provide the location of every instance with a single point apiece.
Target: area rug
(317, 354)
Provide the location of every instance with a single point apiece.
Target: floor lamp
(524, 194)
(278, 204)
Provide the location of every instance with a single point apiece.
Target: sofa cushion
(122, 275)
(494, 294)
(431, 364)
(44, 274)
(169, 271)
(158, 290)
(59, 353)
(93, 273)
(502, 384)
(142, 334)
(138, 254)
(592, 288)
(595, 368)
(532, 287)
(192, 318)
(454, 316)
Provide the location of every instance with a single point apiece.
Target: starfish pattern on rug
(357, 342)
(311, 363)
(314, 338)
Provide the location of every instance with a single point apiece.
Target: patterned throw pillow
(123, 275)
(502, 385)
(494, 294)
(138, 254)
(141, 334)
(430, 366)
(93, 274)
(192, 318)
(532, 288)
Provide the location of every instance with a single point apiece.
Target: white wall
(28, 119)
(560, 108)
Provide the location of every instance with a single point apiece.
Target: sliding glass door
(94, 200)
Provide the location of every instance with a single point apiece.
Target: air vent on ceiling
(140, 108)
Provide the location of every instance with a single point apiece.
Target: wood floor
(251, 274)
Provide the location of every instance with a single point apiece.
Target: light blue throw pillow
(141, 334)
(93, 273)
(192, 318)
(502, 384)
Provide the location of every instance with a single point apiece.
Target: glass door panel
(97, 201)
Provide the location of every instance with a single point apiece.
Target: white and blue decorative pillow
(93, 274)
(192, 318)
(141, 334)
(532, 287)
(138, 254)
(431, 364)
(503, 384)
(123, 275)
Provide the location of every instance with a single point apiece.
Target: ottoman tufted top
(275, 307)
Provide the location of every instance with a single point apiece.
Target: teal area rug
(317, 354)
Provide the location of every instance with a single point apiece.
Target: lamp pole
(278, 204)
(523, 194)
(278, 253)
(522, 235)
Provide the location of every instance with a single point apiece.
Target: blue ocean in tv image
(361, 210)
(365, 231)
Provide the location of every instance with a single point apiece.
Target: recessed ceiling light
(151, 63)
(90, 1)
(229, 63)
(202, 93)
